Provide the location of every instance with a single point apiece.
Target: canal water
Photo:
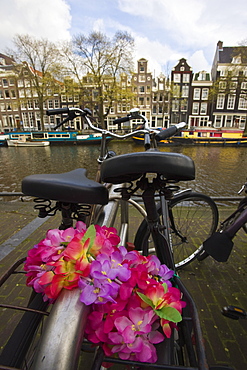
(220, 171)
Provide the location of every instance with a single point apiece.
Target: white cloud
(198, 62)
(156, 53)
(47, 18)
(191, 24)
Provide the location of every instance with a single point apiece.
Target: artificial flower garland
(131, 296)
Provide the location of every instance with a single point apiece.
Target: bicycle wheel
(20, 348)
(193, 218)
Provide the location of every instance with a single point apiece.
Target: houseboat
(210, 136)
(52, 137)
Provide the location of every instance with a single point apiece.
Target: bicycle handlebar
(51, 112)
(134, 114)
(169, 131)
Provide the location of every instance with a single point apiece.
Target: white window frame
(231, 101)
(218, 120)
(175, 105)
(205, 92)
(186, 77)
(242, 103)
(244, 85)
(177, 77)
(228, 120)
(220, 101)
(197, 93)
(203, 109)
(185, 91)
(195, 108)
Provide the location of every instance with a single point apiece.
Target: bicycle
(130, 168)
(219, 245)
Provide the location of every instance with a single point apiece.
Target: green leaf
(89, 234)
(165, 287)
(169, 313)
(146, 299)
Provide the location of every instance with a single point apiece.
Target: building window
(195, 108)
(242, 102)
(183, 106)
(177, 77)
(242, 122)
(56, 103)
(217, 121)
(185, 91)
(203, 108)
(175, 105)
(142, 78)
(222, 85)
(244, 85)
(31, 118)
(220, 101)
(25, 119)
(5, 82)
(233, 85)
(231, 101)
(141, 101)
(20, 83)
(229, 121)
(29, 104)
(186, 77)
(204, 94)
(141, 89)
(1, 94)
(50, 104)
(203, 121)
(197, 93)
(176, 90)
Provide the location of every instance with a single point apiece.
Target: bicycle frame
(238, 222)
(60, 345)
(220, 244)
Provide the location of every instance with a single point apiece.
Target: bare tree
(39, 58)
(104, 60)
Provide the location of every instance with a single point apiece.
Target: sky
(164, 30)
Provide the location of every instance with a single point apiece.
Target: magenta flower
(131, 295)
(138, 322)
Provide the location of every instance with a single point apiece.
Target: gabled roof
(226, 54)
(5, 60)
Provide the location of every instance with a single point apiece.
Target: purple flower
(165, 274)
(104, 267)
(95, 292)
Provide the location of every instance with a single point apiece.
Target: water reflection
(219, 171)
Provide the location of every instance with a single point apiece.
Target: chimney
(220, 45)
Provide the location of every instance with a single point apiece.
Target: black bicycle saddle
(68, 187)
(131, 166)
